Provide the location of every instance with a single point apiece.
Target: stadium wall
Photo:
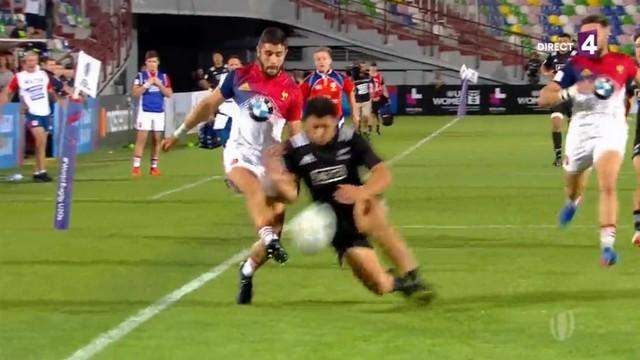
(284, 11)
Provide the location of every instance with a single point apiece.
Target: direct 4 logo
(497, 98)
(588, 43)
(413, 97)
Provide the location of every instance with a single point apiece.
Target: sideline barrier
(111, 119)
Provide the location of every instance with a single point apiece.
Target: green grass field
(477, 204)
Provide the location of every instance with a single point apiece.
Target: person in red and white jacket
(35, 92)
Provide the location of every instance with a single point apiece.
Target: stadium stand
(440, 27)
(101, 28)
(556, 16)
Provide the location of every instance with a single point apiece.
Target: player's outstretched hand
(349, 194)
(168, 143)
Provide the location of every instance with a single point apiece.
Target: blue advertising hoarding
(11, 135)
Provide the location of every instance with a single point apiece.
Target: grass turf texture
(505, 292)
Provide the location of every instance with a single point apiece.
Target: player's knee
(608, 188)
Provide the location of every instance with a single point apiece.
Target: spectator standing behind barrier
(35, 91)
(363, 87)
(20, 30)
(533, 68)
(5, 73)
(213, 75)
(151, 86)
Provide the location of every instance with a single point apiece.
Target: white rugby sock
(136, 161)
(267, 235)
(607, 236)
(248, 268)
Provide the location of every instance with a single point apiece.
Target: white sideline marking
(132, 322)
(184, 187)
(107, 338)
(428, 138)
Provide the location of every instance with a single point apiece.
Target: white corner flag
(467, 75)
(87, 74)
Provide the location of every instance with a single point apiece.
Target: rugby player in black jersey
(633, 94)
(327, 160)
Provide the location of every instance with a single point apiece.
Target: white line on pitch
(125, 327)
(128, 325)
(428, 138)
(184, 187)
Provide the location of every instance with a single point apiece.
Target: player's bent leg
(248, 184)
(261, 212)
(575, 184)
(371, 219)
(636, 201)
(258, 256)
(608, 167)
(366, 267)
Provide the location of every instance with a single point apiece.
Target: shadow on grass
(477, 303)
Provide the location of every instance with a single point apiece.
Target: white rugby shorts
(150, 121)
(250, 159)
(589, 138)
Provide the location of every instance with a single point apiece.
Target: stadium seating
(432, 28)
(103, 34)
(550, 18)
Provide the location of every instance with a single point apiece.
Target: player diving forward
(268, 98)
(327, 159)
(634, 94)
(598, 131)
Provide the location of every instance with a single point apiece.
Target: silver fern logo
(562, 325)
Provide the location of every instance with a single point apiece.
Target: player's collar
(325, 73)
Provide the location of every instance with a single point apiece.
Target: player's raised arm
(202, 111)
(165, 88)
(139, 87)
(379, 180)
(547, 66)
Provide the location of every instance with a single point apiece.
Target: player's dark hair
(595, 19)
(320, 107)
(273, 35)
(636, 36)
(564, 35)
(235, 56)
(151, 54)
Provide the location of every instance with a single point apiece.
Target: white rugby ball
(313, 229)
